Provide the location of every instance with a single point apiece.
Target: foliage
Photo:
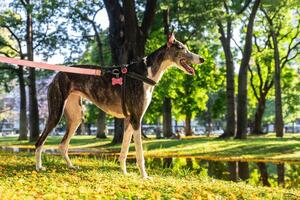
(22, 181)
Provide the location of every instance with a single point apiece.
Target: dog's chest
(147, 95)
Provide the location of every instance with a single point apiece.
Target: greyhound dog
(67, 90)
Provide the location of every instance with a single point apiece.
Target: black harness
(120, 74)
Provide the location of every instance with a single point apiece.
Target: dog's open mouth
(187, 68)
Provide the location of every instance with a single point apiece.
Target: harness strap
(123, 87)
(123, 96)
(141, 78)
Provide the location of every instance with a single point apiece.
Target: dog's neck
(157, 64)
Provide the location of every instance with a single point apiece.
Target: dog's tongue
(189, 69)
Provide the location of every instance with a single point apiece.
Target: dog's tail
(57, 94)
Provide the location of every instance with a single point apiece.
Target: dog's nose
(201, 60)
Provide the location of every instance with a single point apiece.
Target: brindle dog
(66, 91)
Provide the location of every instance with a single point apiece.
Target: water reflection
(255, 173)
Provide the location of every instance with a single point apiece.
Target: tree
(7, 49)
(275, 27)
(128, 36)
(225, 39)
(33, 104)
(229, 11)
(242, 121)
(167, 102)
(261, 72)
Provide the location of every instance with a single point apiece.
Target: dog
(66, 91)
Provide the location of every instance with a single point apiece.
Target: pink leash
(41, 65)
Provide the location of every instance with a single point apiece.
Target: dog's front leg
(125, 145)
(139, 152)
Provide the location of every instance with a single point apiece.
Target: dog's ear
(171, 40)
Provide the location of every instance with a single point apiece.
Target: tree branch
(226, 7)
(252, 83)
(11, 47)
(190, 36)
(23, 3)
(94, 17)
(240, 48)
(246, 4)
(256, 43)
(291, 47)
(5, 53)
(131, 22)
(221, 31)
(148, 16)
(259, 76)
(3, 111)
(15, 36)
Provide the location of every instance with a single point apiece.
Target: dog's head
(180, 56)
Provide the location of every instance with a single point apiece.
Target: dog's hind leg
(125, 145)
(56, 101)
(73, 114)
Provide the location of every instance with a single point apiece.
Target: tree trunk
(101, 121)
(187, 128)
(88, 127)
(189, 163)
(208, 122)
(257, 129)
(119, 131)
(167, 118)
(127, 39)
(23, 129)
(230, 97)
(101, 125)
(33, 104)
(167, 162)
(263, 174)
(167, 104)
(242, 122)
(233, 171)
(81, 129)
(278, 103)
(280, 174)
(244, 170)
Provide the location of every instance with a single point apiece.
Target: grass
(263, 148)
(101, 179)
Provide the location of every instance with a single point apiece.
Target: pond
(283, 174)
(256, 173)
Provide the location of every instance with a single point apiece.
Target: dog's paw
(74, 167)
(39, 169)
(146, 177)
(124, 172)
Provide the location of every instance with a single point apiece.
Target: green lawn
(263, 148)
(101, 179)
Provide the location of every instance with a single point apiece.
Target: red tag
(117, 81)
(124, 70)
